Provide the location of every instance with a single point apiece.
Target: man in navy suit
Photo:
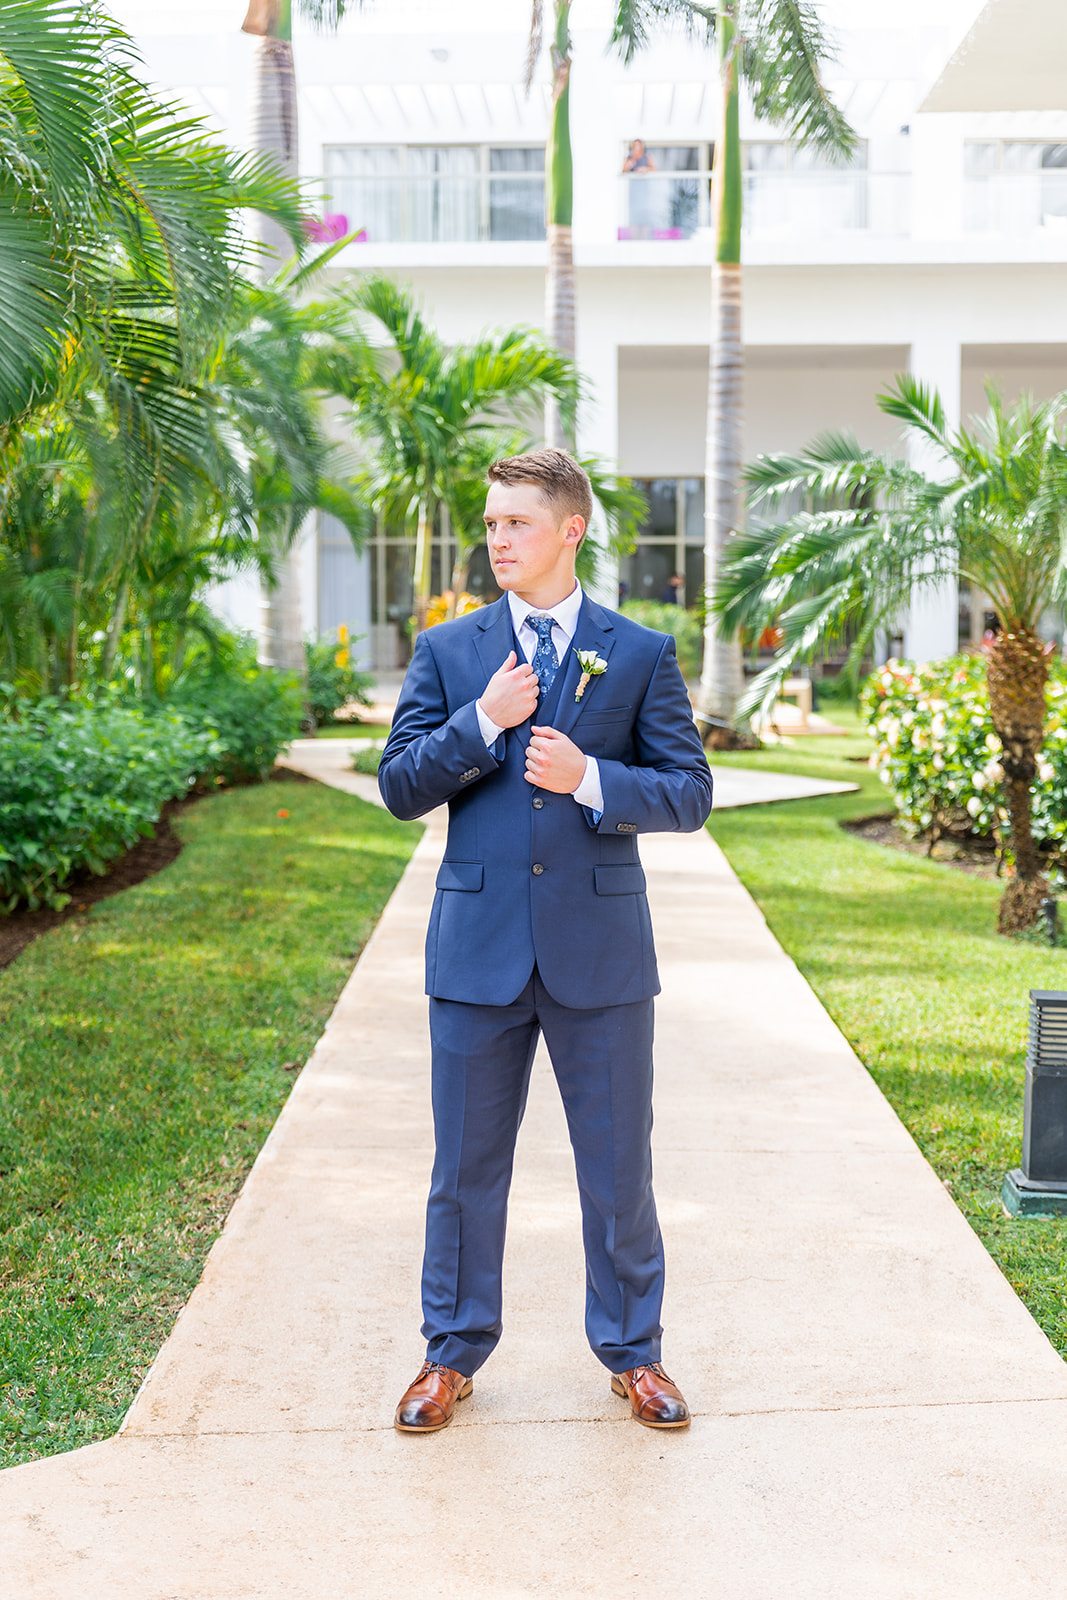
(556, 732)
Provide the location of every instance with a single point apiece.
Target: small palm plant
(432, 417)
(873, 531)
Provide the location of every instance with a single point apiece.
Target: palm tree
(559, 199)
(875, 530)
(776, 49)
(121, 244)
(433, 416)
(276, 135)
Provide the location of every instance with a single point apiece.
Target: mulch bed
(147, 857)
(975, 856)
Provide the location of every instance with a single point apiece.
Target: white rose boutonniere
(592, 666)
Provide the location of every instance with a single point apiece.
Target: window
(441, 194)
(789, 190)
(669, 547)
(1014, 186)
(517, 193)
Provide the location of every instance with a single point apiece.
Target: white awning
(1013, 59)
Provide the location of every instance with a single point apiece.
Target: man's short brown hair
(563, 483)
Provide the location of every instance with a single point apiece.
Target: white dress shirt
(564, 625)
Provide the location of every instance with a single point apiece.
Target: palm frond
(327, 15)
(634, 22)
(783, 50)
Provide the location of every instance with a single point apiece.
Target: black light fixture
(1038, 1188)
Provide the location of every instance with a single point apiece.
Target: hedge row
(79, 783)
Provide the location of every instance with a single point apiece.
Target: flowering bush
(937, 754)
(333, 681)
(440, 604)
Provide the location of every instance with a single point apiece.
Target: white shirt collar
(564, 616)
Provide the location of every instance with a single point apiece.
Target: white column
(931, 628)
(598, 421)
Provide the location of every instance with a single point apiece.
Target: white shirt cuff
(589, 792)
(487, 727)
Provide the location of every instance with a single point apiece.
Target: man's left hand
(553, 762)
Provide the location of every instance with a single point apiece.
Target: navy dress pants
(602, 1060)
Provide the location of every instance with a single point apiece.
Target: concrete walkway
(330, 760)
(876, 1415)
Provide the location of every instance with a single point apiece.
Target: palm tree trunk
(114, 629)
(722, 678)
(559, 216)
(1017, 674)
(423, 561)
(274, 132)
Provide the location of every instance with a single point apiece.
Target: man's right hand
(511, 694)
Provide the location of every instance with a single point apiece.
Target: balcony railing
(777, 205)
(1018, 203)
(439, 208)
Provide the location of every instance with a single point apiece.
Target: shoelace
(436, 1366)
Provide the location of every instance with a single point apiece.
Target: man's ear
(575, 530)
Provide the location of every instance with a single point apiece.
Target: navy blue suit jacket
(530, 876)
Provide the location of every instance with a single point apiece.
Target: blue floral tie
(545, 662)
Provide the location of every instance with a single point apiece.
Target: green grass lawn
(904, 954)
(145, 1051)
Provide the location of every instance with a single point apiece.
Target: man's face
(529, 547)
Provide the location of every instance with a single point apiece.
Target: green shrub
(332, 679)
(368, 760)
(251, 711)
(937, 754)
(685, 626)
(79, 784)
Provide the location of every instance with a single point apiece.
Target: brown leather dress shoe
(655, 1401)
(427, 1404)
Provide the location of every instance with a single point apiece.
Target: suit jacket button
(537, 869)
(538, 803)
(626, 827)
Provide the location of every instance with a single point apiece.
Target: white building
(942, 249)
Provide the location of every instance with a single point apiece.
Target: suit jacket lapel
(494, 639)
(595, 631)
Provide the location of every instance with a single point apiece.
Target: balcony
(440, 207)
(777, 205)
(1019, 205)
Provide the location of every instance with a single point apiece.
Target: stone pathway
(329, 760)
(877, 1417)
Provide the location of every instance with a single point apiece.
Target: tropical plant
(276, 136)
(433, 417)
(128, 476)
(333, 681)
(875, 531)
(559, 201)
(775, 49)
(82, 594)
(120, 225)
